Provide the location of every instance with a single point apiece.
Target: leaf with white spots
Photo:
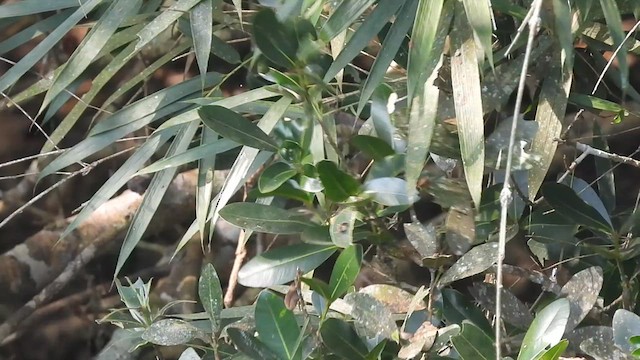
(477, 260)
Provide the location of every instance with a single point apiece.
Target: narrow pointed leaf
(479, 16)
(565, 201)
(210, 294)
(96, 39)
(465, 80)
(281, 265)
(424, 53)
(28, 7)
(614, 24)
(153, 196)
(273, 39)
(15, 72)
(166, 18)
(344, 15)
(232, 125)
(201, 21)
(194, 154)
(372, 25)
(389, 49)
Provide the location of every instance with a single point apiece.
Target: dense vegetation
(441, 179)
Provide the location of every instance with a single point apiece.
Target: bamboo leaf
(479, 16)
(163, 21)
(614, 24)
(201, 21)
(29, 7)
(344, 15)
(154, 194)
(465, 80)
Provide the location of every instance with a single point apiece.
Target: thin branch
(613, 57)
(506, 194)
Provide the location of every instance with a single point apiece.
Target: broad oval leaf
(473, 343)
(210, 293)
(582, 291)
(565, 201)
(372, 146)
(274, 176)
(514, 311)
(477, 260)
(249, 345)
(341, 227)
(234, 126)
(390, 191)
(189, 354)
(264, 218)
(274, 40)
(373, 320)
(342, 340)
(546, 329)
(276, 325)
(338, 185)
(281, 265)
(625, 325)
(169, 332)
(345, 271)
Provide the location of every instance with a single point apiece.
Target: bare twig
(506, 194)
(241, 254)
(613, 57)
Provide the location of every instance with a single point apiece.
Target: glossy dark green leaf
(456, 308)
(344, 16)
(594, 102)
(319, 286)
(604, 173)
(264, 218)
(342, 340)
(276, 325)
(249, 345)
(341, 227)
(391, 44)
(345, 271)
(372, 146)
(546, 329)
(473, 343)
(274, 39)
(372, 24)
(274, 176)
(281, 265)
(234, 126)
(565, 201)
(585, 192)
(169, 332)
(338, 185)
(210, 293)
(390, 191)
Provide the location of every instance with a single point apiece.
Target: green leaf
(456, 308)
(425, 50)
(276, 325)
(565, 201)
(479, 16)
(92, 44)
(625, 325)
(389, 49)
(210, 293)
(274, 176)
(372, 318)
(319, 286)
(249, 345)
(44, 47)
(380, 114)
(338, 185)
(121, 176)
(555, 352)
(390, 191)
(614, 24)
(475, 261)
(29, 7)
(343, 16)
(201, 21)
(31, 32)
(465, 81)
(170, 332)
(281, 265)
(152, 197)
(373, 23)
(163, 21)
(341, 227)
(274, 40)
(372, 146)
(342, 340)
(194, 154)
(595, 102)
(472, 343)
(545, 330)
(264, 218)
(234, 126)
(584, 190)
(550, 117)
(345, 271)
